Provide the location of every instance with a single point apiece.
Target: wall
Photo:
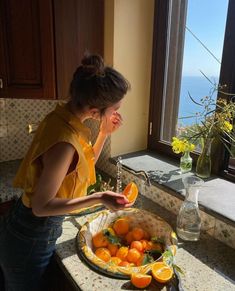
(128, 47)
(132, 54)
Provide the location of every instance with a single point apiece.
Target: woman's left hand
(110, 124)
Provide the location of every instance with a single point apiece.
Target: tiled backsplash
(15, 116)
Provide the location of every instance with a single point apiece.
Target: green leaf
(147, 259)
(156, 239)
(113, 239)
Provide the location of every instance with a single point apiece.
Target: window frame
(227, 76)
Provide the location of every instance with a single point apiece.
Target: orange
(113, 249)
(137, 233)
(99, 240)
(153, 246)
(157, 247)
(131, 192)
(103, 254)
(122, 253)
(137, 245)
(129, 237)
(115, 260)
(139, 262)
(124, 264)
(148, 246)
(133, 255)
(140, 280)
(162, 272)
(121, 226)
(144, 244)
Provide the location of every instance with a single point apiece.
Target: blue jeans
(27, 243)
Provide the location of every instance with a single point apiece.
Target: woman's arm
(56, 162)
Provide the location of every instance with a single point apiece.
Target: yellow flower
(227, 126)
(181, 146)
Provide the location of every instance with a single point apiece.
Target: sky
(206, 19)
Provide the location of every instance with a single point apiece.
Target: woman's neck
(82, 116)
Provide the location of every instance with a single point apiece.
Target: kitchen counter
(208, 264)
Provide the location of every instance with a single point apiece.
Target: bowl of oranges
(125, 243)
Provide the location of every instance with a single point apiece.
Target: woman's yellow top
(58, 126)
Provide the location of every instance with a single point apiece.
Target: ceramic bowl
(150, 222)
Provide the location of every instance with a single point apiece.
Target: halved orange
(140, 280)
(162, 272)
(131, 192)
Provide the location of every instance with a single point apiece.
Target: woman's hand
(110, 124)
(113, 201)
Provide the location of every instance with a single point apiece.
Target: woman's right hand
(112, 200)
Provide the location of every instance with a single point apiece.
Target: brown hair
(96, 85)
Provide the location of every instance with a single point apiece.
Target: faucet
(138, 173)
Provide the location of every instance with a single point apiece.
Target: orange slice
(140, 280)
(162, 272)
(131, 192)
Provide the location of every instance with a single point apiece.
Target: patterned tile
(3, 118)
(225, 233)
(208, 223)
(17, 114)
(27, 110)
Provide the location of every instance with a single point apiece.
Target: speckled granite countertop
(209, 265)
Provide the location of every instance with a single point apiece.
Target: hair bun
(93, 65)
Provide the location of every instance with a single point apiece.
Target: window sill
(216, 198)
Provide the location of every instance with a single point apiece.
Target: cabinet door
(79, 26)
(26, 49)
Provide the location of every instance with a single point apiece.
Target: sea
(198, 87)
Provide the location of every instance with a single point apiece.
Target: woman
(56, 172)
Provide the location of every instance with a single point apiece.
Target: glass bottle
(203, 167)
(188, 220)
(186, 163)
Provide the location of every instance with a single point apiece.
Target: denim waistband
(22, 219)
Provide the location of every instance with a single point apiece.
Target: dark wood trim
(158, 69)
(79, 26)
(227, 76)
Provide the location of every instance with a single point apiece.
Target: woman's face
(110, 111)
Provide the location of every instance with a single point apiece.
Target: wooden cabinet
(42, 43)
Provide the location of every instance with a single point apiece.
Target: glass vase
(203, 167)
(188, 223)
(186, 163)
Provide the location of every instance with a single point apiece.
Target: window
(175, 60)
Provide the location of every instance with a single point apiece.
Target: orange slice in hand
(131, 192)
(162, 272)
(140, 280)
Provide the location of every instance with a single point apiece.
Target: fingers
(116, 118)
(114, 201)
